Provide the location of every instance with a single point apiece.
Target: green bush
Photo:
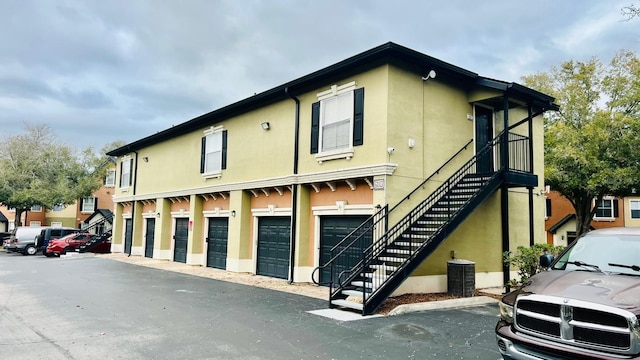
(527, 260)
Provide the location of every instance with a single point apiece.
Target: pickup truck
(586, 304)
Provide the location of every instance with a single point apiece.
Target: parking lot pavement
(95, 308)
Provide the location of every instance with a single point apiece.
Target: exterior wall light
(265, 125)
(233, 213)
(146, 159)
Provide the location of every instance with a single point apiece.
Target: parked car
(52, 233)
(72, 242)
(23, 239)
(585, 306)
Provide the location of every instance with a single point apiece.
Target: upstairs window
(213, 153)
(125, 172)
(606, 209)
(110, 180)
(57, 207)
(337, 122)
(88, 205)
(36, 208)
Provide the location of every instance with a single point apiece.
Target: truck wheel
(30, 250)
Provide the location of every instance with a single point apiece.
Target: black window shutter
(224, 150)
(315, 127)
(203, 145)
(358, 116)
(548, 207)
(615, 208)
(95, 203)
(121, 166)
(130, 172)
(81, 204)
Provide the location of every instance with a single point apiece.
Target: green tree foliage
(36, 170)
(527, 260)
(591, 144)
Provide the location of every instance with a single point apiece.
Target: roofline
(386, 53)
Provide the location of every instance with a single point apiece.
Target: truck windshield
(602, 252)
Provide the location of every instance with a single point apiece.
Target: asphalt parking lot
(97, 308)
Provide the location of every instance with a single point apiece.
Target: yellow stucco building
(270, 184)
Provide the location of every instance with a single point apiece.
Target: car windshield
(609, 253)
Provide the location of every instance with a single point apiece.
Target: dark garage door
(217, 243)
(149, 237)
(181, 238)
(273, 246)
(333, 230)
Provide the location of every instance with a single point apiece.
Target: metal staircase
(103, 231)
(395, 253)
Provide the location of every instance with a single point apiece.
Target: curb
(443, 304)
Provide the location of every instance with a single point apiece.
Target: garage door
(273, 246)
(332, 230)
(181, 239)
(217, 243)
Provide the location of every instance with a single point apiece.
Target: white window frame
(213, 139)
(605, 218)
(335, 93)
(35, 223)
(110, 179)
(634, 205)
(56, 224)
(125, 180)
(92, 201)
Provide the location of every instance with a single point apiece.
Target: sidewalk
(305, 289)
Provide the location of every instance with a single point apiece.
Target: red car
(72, 242)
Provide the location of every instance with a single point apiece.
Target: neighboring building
(268, 185)
(73, 215)
(34, 217)
(560, 219)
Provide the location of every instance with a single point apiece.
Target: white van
(23, 239)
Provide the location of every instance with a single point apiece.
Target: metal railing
(342, 255)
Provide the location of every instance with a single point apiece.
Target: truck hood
(622, 291)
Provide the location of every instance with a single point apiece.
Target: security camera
(390, 150)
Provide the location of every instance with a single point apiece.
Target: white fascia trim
(179, 214)
(330, 175)
(213, 130)
(217, 212)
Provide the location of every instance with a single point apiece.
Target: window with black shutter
(213, 152)
(337, 122)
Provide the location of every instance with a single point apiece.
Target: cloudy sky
(99, 71)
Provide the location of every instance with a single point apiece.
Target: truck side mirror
(545, 260)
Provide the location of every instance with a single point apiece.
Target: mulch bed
(392, 302)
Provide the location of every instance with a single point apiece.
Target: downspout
(133, 206)
(504, 193)
(294, 192)
(530, 125)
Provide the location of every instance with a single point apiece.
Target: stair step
(384, 267)
(415, 236)
(398, 251)
(347, 304)
(407, 243)
(362, 284)
(376, 276)
(354, 293)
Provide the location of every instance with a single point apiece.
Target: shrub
(527, 260)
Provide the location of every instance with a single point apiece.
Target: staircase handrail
(382, 214)
(379, 245)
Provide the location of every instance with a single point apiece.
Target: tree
(631, 11)
(591, 144)
(36, 170)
